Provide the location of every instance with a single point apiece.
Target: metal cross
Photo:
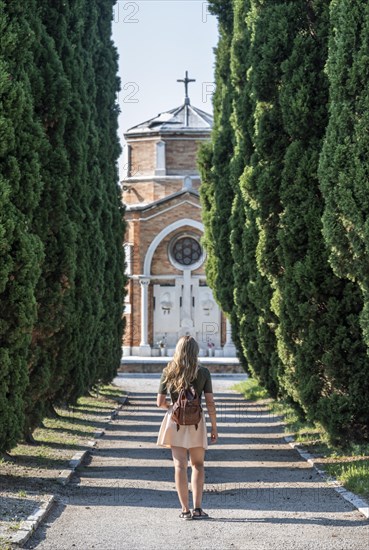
(186, 81)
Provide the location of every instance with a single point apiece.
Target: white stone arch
(160, 236)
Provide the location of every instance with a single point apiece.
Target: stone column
(187, 320)
(160, 169)
(229, 349)
(187, 324)
(129, 161)
(145, 349)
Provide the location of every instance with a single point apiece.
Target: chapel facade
(167, 294)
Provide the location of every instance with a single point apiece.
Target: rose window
(186, 251)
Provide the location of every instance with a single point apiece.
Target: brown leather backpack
(187, 410)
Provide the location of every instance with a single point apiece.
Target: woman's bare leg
(180, 468)
(197, 455)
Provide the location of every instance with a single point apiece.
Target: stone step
(147, 365)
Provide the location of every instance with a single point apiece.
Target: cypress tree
(21, 250)
(250, 285)
(51, 92)
(343, 180)
(96, 256)
(344, 160)
(91, 342)
(306, 283)
(297, 323)
(105, 63)
(268, 32)
(78, 337)
(61, 229)
(272, 32)
(216, 193)
(216, 190)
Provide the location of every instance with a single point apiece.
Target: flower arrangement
(211, 347)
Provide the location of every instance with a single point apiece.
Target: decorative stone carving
(207, 304)
(166, 303)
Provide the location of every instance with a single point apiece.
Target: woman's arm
(210, 405)
(161, 401)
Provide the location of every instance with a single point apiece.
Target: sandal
(185, 515)
(198, 513)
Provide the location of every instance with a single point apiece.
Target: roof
(181, 119)
(167, 198)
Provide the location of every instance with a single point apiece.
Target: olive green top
(202, 383)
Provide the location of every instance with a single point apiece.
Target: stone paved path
(259, 492)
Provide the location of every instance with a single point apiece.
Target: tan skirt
(187, 436)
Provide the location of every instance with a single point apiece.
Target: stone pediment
(169, 198)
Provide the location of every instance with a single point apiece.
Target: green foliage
(105, 60)
(61, 221)
(77, 363)
(343, 174)
(354, 475)
(261, 40)
(306, 284)
(216, 192)
(223, 9)
(90, 342)
(344, 160)
(251, 390)
(295, 323)
(51, 92)
(21, 251)
(217, 189)
(252, 289)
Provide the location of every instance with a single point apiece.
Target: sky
(157, 41)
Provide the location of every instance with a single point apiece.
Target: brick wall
(142, 191)
(152, 226)
(168, 187)
(143, 157)
(181, 156)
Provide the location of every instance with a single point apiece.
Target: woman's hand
(214, 435)
(210, 405)
(161, 402)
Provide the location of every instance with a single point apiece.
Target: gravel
(259, 492)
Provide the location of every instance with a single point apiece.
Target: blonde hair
(182, 370)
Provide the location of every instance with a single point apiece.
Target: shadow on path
(126, 493)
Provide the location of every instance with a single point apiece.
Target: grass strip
(35, 470)
(60, 438)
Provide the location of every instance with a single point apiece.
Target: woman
(182, 372)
